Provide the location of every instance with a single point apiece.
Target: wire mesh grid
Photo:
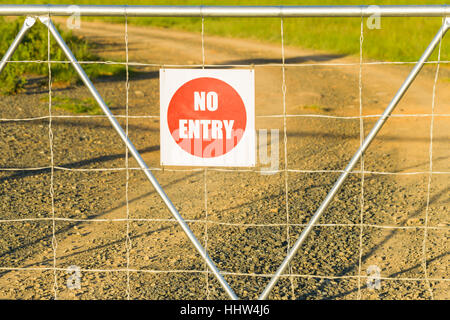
(361, 226)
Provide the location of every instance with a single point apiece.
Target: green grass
(399, 39)
(35, 47)
(74, 105)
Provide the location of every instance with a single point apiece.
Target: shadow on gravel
(106, 125)
(265, 61)
(110, 244)
(301, 59)
(338, 167)
(363, 285)
(347, 137)
(376, 247)
(77, 164)
(302, 297)
(77, 123)
(65, 229)
(38, 84)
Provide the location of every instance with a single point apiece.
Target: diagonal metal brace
(376, 128)
(29, 22)
(48, 22)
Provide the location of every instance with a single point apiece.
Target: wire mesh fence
(246, 233)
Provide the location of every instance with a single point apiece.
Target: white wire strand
(427, 208)
(258, 116)
(230, 224)
(361, 140)
(286, 177)
(52, 166)
(239, 274)
(205, 177)
(128, 244)
(406, 173)
(276, 65)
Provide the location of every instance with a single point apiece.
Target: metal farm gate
(44, 13)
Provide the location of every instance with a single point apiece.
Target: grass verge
(74, 105)
(34, 48)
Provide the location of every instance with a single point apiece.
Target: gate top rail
(228, 11)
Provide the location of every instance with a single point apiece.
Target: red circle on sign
(206, 117)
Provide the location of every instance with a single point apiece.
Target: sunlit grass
(34, 48)
(74, 105)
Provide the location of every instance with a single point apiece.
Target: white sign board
(207, 117)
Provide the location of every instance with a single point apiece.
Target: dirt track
(328, 264)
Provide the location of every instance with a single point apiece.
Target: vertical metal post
(376, 128)
(47, 21)
(28, 23)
